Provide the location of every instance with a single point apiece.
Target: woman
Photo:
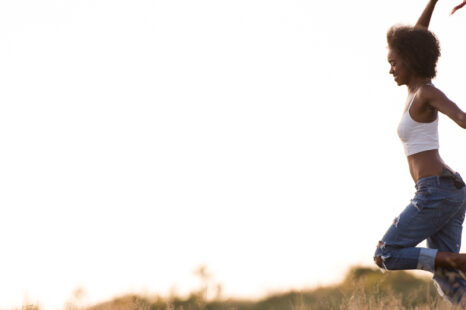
(437, 211)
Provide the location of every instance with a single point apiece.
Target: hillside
(363, 288)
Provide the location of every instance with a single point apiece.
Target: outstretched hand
(459, 6)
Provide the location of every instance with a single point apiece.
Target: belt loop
(438, 180)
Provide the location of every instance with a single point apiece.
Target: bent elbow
(463, 121)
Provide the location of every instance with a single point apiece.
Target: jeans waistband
(447, 178)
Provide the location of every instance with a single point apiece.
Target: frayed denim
(436, 214)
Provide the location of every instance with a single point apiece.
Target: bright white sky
(140, 139)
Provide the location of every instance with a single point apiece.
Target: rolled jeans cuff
(426, 259)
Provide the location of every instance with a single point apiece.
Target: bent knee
(379, 261)
(378, 257)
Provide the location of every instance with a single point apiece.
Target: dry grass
(362, 289)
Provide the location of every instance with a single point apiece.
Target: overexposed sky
(140, 139)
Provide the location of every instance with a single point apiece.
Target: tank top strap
(412, 100)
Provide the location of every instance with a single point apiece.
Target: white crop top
(417, 137)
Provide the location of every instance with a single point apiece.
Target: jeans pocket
(419, 203)
(422, 198)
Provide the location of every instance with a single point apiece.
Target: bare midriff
(426, 164)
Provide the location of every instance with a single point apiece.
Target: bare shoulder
(434, 99)
(430, 93)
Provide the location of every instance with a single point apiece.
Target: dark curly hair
(418, 47)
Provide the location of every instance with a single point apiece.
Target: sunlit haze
(142, 139)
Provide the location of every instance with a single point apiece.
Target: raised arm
(424, 19)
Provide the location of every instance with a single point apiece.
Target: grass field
(362, 289)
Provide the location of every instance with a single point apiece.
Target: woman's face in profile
(398, 68)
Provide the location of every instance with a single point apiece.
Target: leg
(436, 213)
(450, 260)
(449, 276)
(449, 264)
(397, 250)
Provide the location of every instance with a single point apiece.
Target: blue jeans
(436, 213)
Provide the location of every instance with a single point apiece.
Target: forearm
(462, 120)
(459, 118)
(424, 19)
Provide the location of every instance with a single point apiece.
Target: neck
(415, 84)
